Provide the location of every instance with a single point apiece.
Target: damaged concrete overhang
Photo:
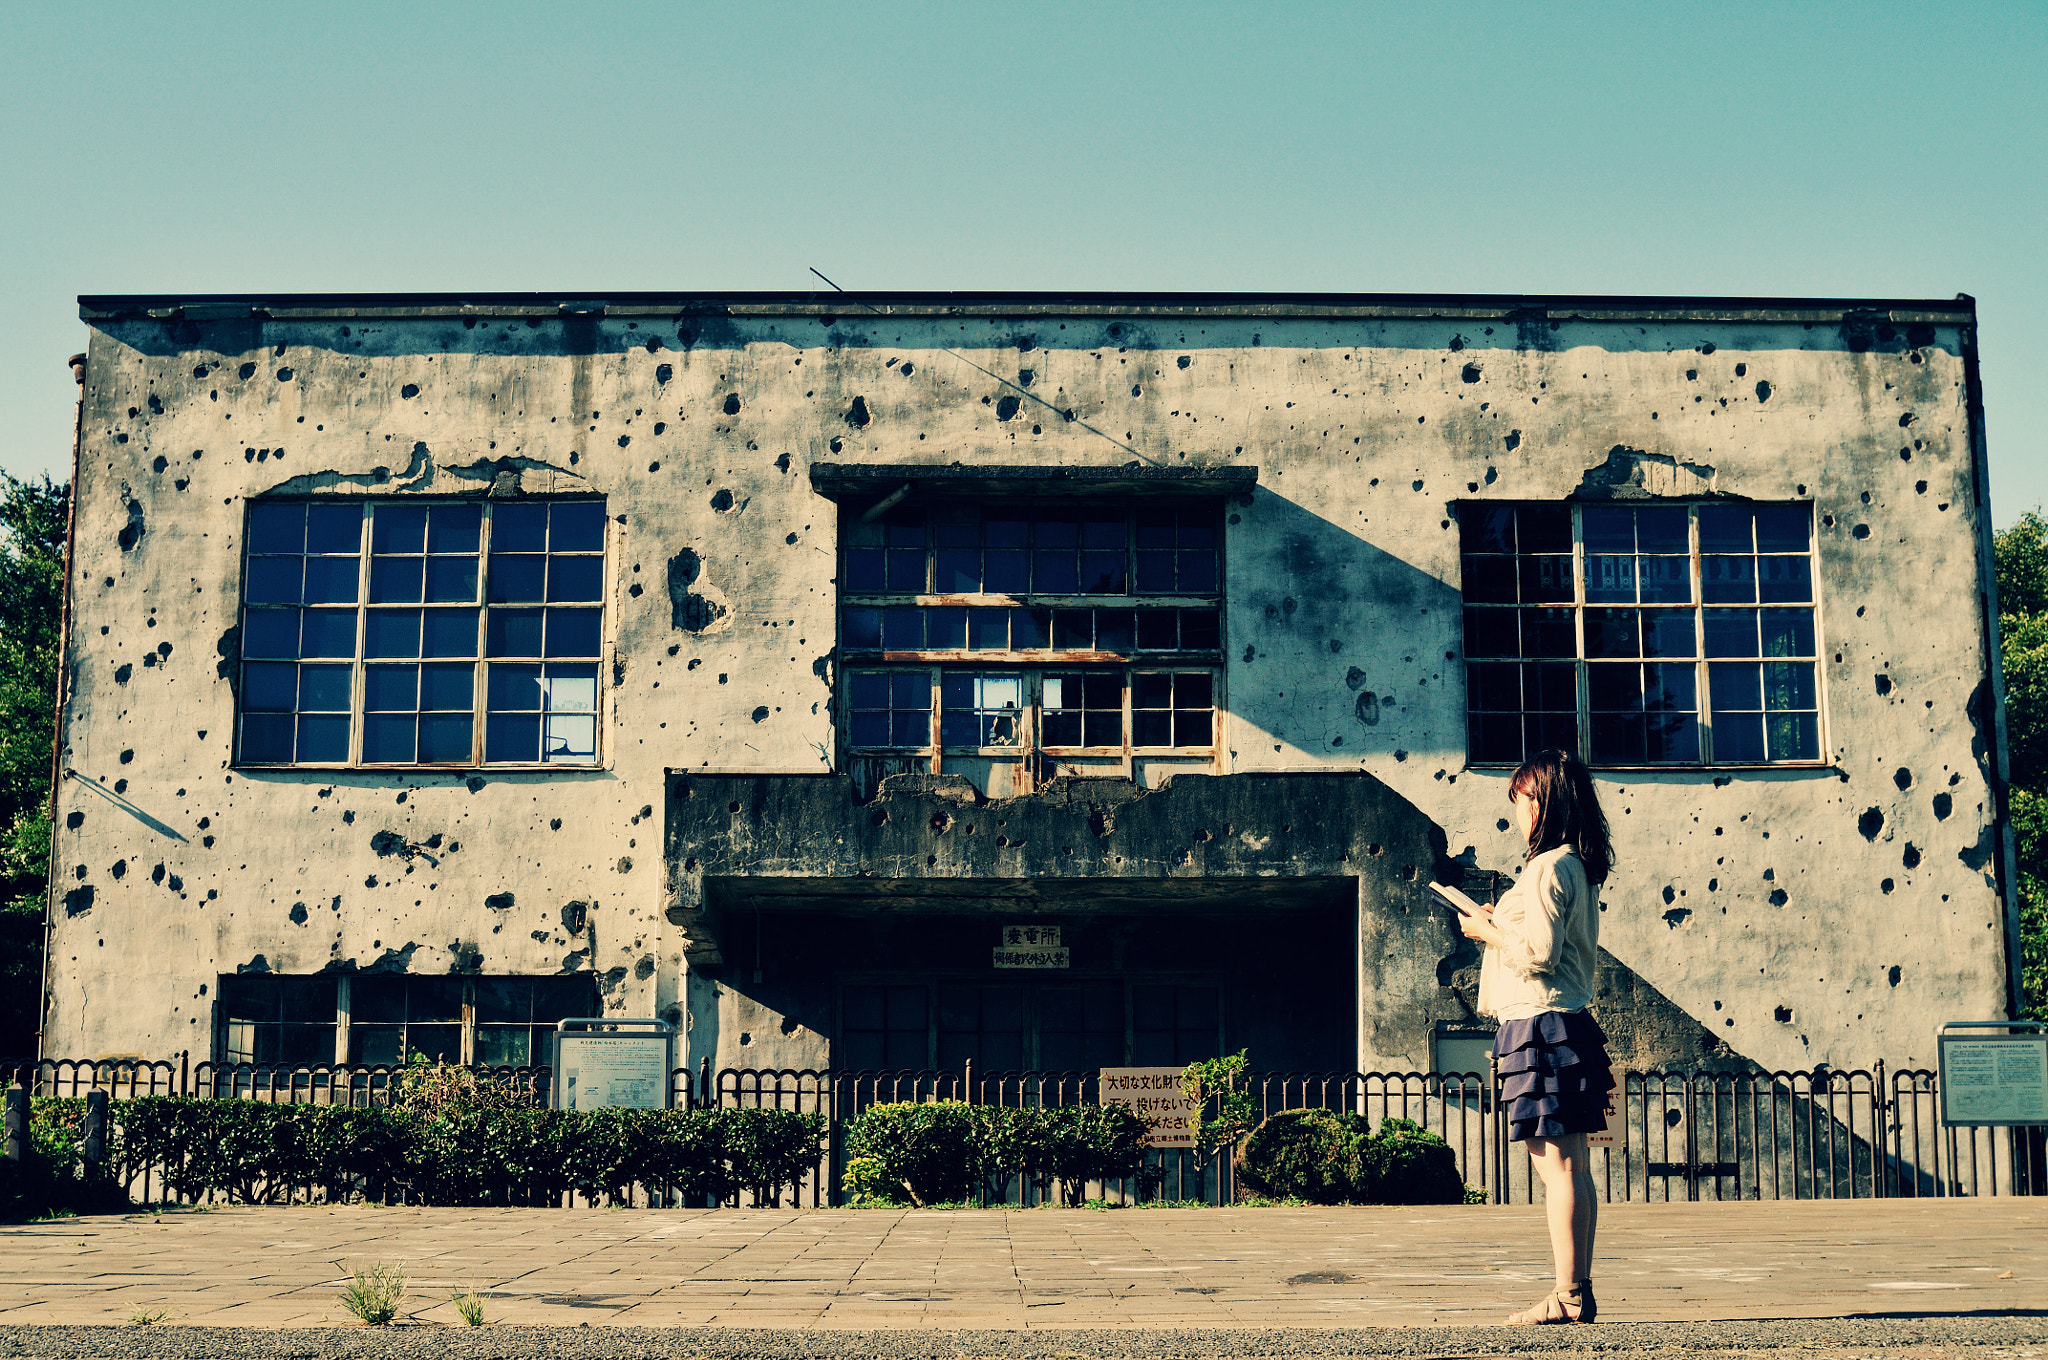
(861, 485)
(1210, 845)
(1959, 311)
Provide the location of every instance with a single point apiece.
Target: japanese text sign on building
(1158, 1097)
(1030, 947)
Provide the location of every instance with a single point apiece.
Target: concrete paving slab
(1027, 1270)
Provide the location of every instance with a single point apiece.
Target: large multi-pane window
(1646, 634)
(1068, 629)
(409, 633)
(382, 1019)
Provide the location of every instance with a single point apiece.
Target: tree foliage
(32, 526)
(2021, 555)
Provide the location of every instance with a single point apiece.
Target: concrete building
(1046, 681)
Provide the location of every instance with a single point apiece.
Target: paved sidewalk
(1009, 1271)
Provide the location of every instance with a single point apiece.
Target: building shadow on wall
(1328, 632)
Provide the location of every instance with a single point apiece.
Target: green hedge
(947, 1152)
(50, 1178)
(254, 1152)
(1326, 1157)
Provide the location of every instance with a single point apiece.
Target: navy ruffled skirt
(1554, 1074)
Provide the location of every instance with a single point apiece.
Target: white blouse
(1551, 918)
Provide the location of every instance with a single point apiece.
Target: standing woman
(1542, 942)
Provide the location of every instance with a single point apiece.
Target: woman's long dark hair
(1567, 810)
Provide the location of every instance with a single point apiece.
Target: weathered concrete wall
(1859, 900)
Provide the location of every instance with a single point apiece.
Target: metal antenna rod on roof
(1022, 392)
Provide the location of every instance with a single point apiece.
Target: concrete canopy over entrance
(1261, 886)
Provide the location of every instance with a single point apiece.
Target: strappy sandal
(1560, 1307)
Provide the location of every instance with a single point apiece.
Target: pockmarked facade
(902, 681)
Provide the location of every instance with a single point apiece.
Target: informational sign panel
(1994, 1078)
(1616, 1133)
(1158, 1097)
(1031, 947)
(626, 1069)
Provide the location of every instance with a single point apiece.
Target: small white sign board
(1158, 1097)
(1996, 1079)
(625, 1069)
(1616, 1133)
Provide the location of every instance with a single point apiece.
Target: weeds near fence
(374, 1291)
(469, 1303)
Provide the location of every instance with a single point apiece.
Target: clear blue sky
(1864, 149)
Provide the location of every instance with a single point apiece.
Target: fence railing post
(93, 1145)
(706, 1097)
(17, 1122)
(1495, 1122)
(184, 1071)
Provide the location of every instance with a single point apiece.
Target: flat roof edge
(1455, 307)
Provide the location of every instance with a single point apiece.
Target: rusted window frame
(1034, 664)
(480, 684)
(345, 1006)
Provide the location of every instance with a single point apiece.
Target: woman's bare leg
(1569, 1204)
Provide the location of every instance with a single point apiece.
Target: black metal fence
(1824, 1133)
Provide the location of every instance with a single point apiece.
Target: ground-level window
(380, 633)
(382, 1019)
(1650, 634)
(1068, 1026)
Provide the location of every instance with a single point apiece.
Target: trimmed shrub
(1415, 1167)
(1075, 1144)
(1315, 1155)
(931, 1152)
(1331, 1157)
(946, 1151)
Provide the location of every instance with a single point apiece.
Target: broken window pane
(980, 709)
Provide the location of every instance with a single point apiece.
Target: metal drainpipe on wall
(77, 365)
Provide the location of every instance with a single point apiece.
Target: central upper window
(378, 633)
(1083, 631)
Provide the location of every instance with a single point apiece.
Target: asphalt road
(2018, 1335)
